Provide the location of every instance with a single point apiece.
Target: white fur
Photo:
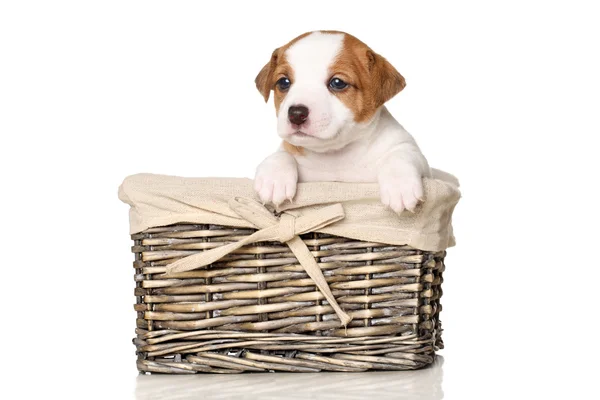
(329, 119)
(335, 147)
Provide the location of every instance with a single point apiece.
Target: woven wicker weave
(257, 310)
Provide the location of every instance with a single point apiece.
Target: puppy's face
(326, 85)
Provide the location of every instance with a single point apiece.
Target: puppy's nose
(298, 114)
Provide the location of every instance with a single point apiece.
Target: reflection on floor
(425, 384)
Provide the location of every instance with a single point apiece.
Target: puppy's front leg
(276, 178)
(400, 177)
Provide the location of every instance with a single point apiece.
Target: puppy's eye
(283, 84)
(337, 84)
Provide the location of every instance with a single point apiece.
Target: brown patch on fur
(372, 79)
(275, 69)
(293, 150)
(283, 69)
(265, 76)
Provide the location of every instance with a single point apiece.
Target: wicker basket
(257, 310)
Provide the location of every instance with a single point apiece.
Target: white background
(505, 96)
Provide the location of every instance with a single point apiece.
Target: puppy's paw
(276, 183)
(401, 192)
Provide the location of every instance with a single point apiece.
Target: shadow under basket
(256, 310)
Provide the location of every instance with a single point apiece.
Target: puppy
(329, 92)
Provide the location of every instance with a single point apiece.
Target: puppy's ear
(264, 79)
(387, 82)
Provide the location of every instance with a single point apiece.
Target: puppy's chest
(323, 168)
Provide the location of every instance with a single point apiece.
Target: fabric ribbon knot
(285, 229)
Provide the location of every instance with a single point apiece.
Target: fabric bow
(284, 229)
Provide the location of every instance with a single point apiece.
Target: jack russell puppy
(329, 92)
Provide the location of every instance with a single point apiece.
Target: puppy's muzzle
(298, 114)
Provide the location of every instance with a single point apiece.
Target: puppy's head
(327, 86)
